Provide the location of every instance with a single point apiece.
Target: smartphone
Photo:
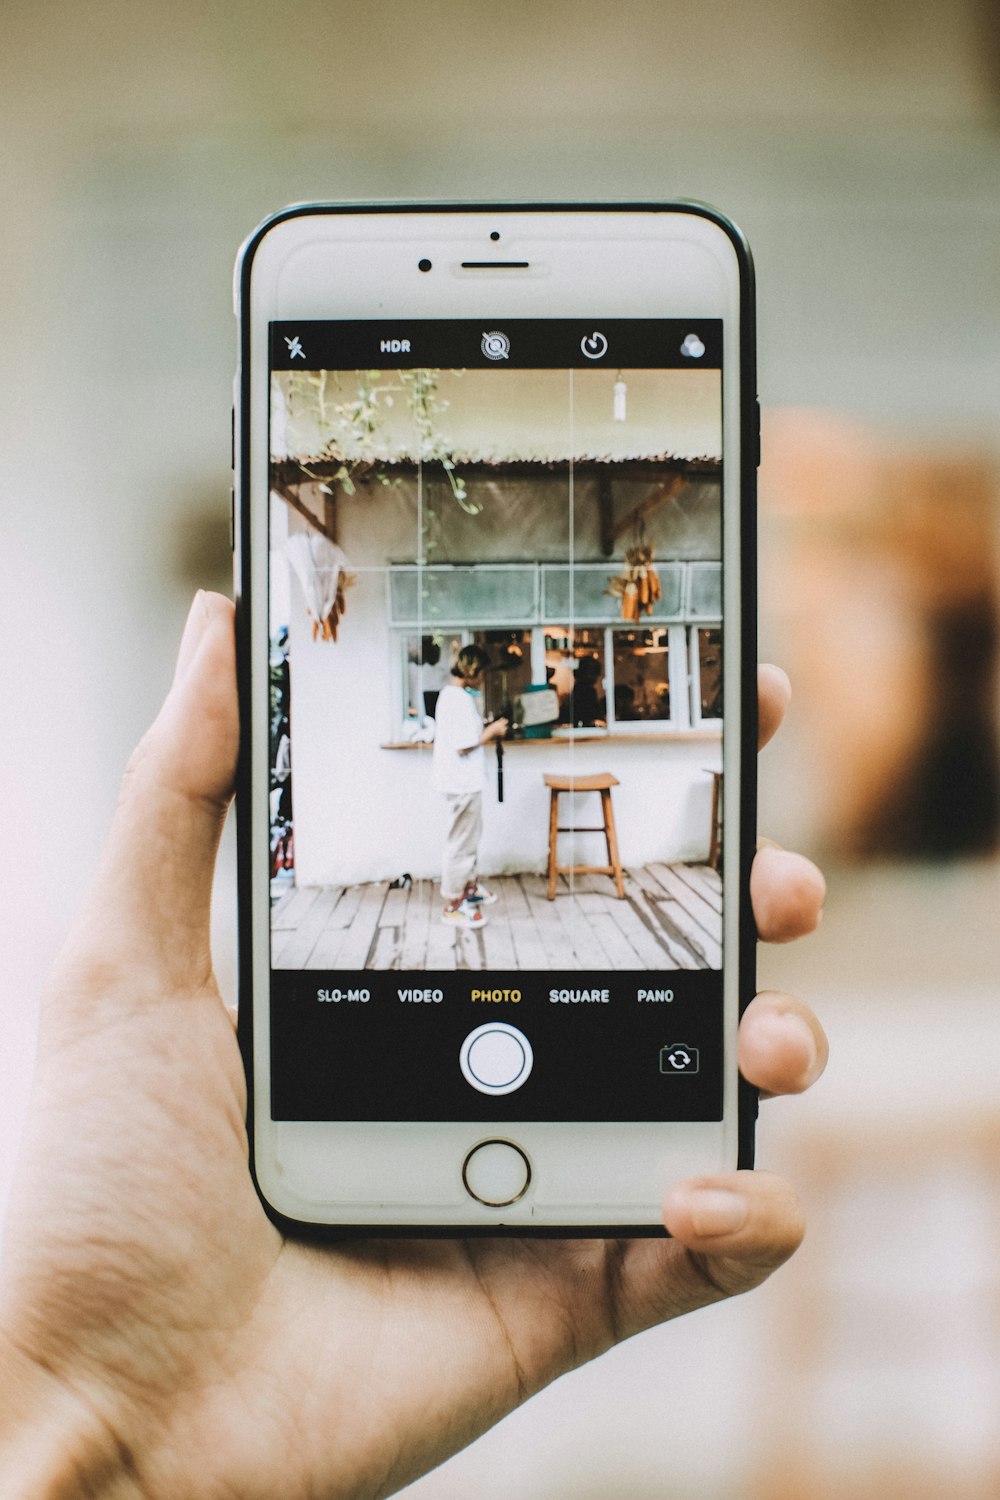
(495, 474)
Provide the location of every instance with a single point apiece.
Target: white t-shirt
(458, 724)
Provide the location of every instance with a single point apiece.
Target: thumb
(147, 915)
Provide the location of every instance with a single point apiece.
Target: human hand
(159, 1338)
(496, 729)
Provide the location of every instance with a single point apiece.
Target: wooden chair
(602, 783)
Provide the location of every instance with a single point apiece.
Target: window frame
(684, 665)
(698, 721)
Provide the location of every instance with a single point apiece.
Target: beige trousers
(461, 844)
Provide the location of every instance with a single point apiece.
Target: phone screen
(496, 658)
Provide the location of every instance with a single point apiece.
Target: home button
(496, 1173)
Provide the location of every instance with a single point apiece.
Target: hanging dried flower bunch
(323, 573)
(638, 584)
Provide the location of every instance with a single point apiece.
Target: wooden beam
(290, 497)
(330, 513)
(647, 507)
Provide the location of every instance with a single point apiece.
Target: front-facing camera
(424, 265)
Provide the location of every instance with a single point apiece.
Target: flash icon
(294, 348)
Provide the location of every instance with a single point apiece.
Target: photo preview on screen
(496, 658)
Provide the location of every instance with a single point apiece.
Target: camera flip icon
(678, 1057)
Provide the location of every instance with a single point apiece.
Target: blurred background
(858, 145)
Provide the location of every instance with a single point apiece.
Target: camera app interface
(495, 771)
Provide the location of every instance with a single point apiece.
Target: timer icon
(594, 345)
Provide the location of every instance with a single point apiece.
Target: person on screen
(459, 773)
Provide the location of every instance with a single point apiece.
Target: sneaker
(465, 915)
(481, 895)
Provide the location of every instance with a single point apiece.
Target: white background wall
(857, 145)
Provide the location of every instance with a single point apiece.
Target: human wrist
(53, 1444)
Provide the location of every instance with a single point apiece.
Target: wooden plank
(705, 906)
(598, 885)
(514, 899)
(590, 902)
(536, 887)
(678, 956)
(333, 936)
(294, 909)
(566, 915)
(649, 946)
(326, 952)
(557, 945)
(621, 954)
(385, 954)
(498, 942)
(393, 913)
(585, 942)
(707, 918)
(694, 876)
(280, 908)
(440, 942)
(280, 943)
(469, 952)
(684, 930)
(354, 953)
(295, 953)
(346, 909)
(421, 910)
(693, 935)
(528, 945)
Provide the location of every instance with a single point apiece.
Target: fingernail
(716, 1211)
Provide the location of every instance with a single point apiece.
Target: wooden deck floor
(671, 919)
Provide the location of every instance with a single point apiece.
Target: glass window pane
(428, 668)
(642, 675)
(710, 669)
(574, 666)
(461, 595)
(509, 671)
(706, 590)
(591, 600)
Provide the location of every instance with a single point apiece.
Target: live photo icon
(678, 1058)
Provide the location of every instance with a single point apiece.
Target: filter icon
(496, 345)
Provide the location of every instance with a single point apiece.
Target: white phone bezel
(363, 264)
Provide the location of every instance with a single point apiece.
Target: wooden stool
(603, 782)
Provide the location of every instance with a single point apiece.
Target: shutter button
(496, 1058)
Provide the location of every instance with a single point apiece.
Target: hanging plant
(421, 388)
(358, 439)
